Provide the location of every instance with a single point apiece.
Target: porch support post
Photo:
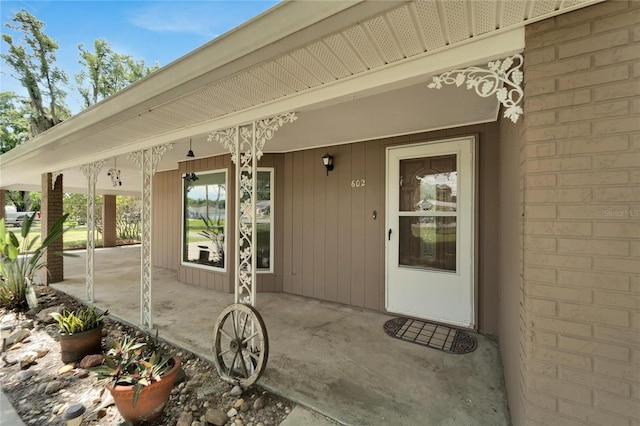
(91, 172)
(147, 161)
(51, 210)
(109, 229)
(245, 143)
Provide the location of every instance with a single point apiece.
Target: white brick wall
(580, 157)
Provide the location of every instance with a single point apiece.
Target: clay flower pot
(151, 401)
(74, 347)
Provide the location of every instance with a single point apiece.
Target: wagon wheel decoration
(241, 345)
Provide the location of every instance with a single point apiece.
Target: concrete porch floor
(331, 358)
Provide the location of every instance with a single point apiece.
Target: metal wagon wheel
(241, 345)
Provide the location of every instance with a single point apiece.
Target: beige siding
(334, 248)
(327, 244)
(581, 204)
(167, 214)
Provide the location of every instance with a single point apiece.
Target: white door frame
(468, 167)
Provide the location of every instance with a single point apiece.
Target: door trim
(474, 221)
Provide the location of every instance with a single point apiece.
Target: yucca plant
(20, 262)
(82, 319)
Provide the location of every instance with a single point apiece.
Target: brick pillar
(109, 234)
(51, 208)
(3, 202)
(581, 176)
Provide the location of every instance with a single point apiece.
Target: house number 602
(357, 183)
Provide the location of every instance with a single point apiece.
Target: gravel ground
(43, 387)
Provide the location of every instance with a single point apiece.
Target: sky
(156, 31)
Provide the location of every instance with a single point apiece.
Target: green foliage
(25, 201)
(107, 72)
(128, 222)
(14, 122)
(80, 320)
(17, 268)
(135, 363)
(75, 205)
(33, 64)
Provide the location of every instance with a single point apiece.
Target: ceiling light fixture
(190, 154)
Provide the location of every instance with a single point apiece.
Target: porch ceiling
(329, 54)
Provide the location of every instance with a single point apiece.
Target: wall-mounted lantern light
(327, 161)
(190, 154)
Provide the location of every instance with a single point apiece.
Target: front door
(430, 235)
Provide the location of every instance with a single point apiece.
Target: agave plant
(20, 262)
(135, 363)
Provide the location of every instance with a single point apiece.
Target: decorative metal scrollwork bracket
(54, 178)
(246, 144)
(503, 78)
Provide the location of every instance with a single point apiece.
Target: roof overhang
(351, 70)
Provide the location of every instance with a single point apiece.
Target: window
(205, 217)
(264, 220)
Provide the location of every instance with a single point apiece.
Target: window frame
(226, 228)
(271, 221)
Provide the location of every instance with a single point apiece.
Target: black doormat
(431, 335)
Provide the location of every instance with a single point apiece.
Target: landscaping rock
(54, 386)
(28, 359)
(216, 417)
(91, 361)
(236, 391)
(43, 315)
(18, 335)
(66, 368)
(185, 419)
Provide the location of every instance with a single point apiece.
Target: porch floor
(331, 358)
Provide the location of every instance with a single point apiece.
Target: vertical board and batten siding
(327, 243)
(166, 219)
(333, 247)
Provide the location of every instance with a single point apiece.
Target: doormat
(431, 335)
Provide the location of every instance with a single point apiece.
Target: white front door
(430, 235)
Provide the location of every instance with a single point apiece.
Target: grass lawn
(74, 237)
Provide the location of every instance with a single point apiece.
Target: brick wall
(109, 234)
(51, 209)
(581, 229)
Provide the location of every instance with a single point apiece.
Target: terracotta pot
(151, 401)
(74, 347)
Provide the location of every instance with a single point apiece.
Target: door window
(427, 212)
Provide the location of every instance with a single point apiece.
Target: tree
(14, 121)
(107, 72)
(33, 62)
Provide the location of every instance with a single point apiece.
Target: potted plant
(21, 261)
(214, 233)
(80, 332)
(140, 375)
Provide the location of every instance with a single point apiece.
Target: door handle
(389, 237)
